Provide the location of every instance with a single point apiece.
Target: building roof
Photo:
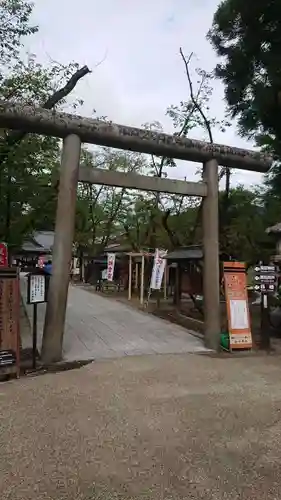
(30, 246)
(39, 242)
(118, 248)
(192, 252)
(44, 239)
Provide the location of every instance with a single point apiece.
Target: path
(144, 428)
(98, 327)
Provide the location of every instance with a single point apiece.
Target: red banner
(3, 255)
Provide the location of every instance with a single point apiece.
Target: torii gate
(74, 130)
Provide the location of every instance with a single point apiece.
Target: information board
(36, 288)
(9, 321)
(265, 279)
(237, 306)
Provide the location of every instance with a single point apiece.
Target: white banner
(110, 266)
(159, 265)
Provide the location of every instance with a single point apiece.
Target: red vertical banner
(3, 255)
(237, 306)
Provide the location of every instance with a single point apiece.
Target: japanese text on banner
(159, 265)
(110, 266)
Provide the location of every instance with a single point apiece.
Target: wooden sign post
(266, 277)
(36, 294)
(9, 321)
(236, 296)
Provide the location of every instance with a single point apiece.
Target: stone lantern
(275, 231)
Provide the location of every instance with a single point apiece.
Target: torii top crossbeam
(46, 122)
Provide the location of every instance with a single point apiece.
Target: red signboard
(3, 255)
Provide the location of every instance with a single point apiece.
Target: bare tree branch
(193, 99)
(67, 89)
(15, 137)
(174, 239)
(224, 171)
(182, 131)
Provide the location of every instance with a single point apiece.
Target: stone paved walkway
(97, 328)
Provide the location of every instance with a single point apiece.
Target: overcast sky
(142, 72)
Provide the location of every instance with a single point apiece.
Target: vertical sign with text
(3, 255)
(266, 279)
(159, 265)
(9, 320)
(236, 296)
(110, 266)
(36, 288)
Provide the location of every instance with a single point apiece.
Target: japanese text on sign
(9, 319)
(266, 279)
(3, 255)
(37, 289)
(236, 296)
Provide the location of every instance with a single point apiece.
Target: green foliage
(248, 216)
(26, 189)
(29, 176)
(14, 26)
(247, 36)
(29, 172)
(103, 212)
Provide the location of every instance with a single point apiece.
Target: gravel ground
(150, 427)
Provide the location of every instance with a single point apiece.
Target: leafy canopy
(247, 35)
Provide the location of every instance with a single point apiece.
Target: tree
(190, 114)
(14, 26)
(244, 236)
(28, 163)
(103, 211)
(247, 38)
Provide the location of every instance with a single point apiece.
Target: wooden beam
(42, 121)
(141, 182)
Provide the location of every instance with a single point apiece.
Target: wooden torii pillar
(76, 129)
